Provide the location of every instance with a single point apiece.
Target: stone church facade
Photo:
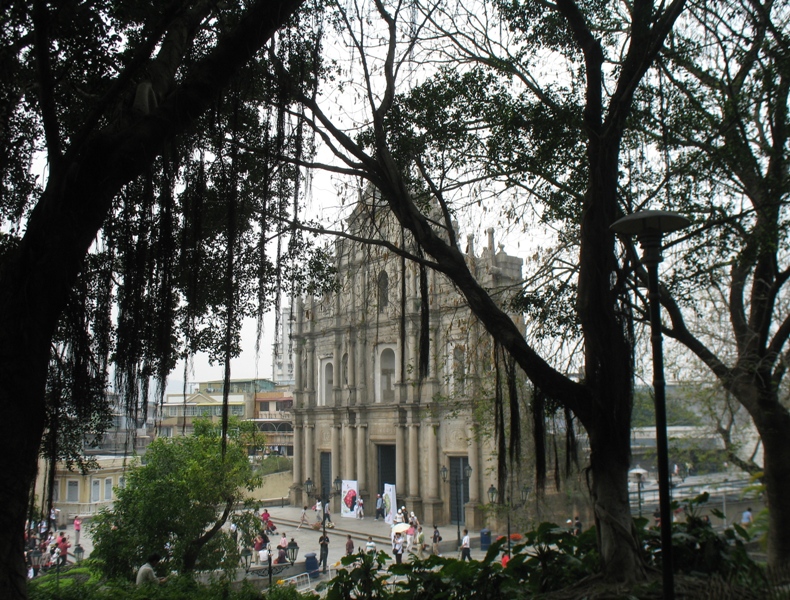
(360, 410)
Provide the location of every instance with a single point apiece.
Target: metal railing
(721, 491)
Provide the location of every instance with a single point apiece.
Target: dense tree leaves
(481, 133)
(175, 504)
(152, 214)
(717, 110)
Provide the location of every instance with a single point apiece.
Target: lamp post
(492, 496)
(292, 551)
(638, 475)
(467, 473)
(269, 553)
(79, 554)
(649, 226)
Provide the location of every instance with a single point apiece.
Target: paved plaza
(286, 519)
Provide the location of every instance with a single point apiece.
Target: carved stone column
(362, 458)
(400, 463)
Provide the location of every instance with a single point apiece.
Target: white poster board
(390, 503)
(349, 492)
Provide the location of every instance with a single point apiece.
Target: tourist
(370, 546)
(303, 518)
(146, 574)
(77, 529)
(379, 507)
(397, 548)
(436, 538)
(323, 542)
(466, 547)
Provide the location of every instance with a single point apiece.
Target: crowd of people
(45, 545)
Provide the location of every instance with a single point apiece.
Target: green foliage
(176, 500)
(678, 408)
(759, 527)
(699, 549)
(556, 558)
(73, 585)
(440, 577)
(366, 579)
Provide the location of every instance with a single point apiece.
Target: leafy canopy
(174, 501)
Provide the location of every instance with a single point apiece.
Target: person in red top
(63, 545)
(77, 529)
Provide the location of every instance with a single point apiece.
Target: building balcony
(278, 415)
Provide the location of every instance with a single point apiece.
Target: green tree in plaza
(717, 110)
(148, 217)
(529, 110)
(176, 503)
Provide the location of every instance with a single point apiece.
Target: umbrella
(400, 527)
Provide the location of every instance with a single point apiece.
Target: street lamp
(649, 226)
(79, 553)
(269, 553)
(525, 490)
(467, 473)
(638, 475)
(292, 551)
(492, 494)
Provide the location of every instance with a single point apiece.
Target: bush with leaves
(83, 583)
(556, 558)
(700, 550)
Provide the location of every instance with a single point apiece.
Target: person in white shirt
(370, 546)
(466, 548)
(397, 548)
(146, 574)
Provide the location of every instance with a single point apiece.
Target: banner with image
(349, 492)
(390, 504)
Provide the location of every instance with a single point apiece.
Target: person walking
(397, 548)
(436, 538)
(419, 539)
(360, 508)
(379, 507)
(747, 518)
(466, 547)
(303, 520)
(349, 545)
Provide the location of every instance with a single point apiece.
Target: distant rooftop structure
(283, 349)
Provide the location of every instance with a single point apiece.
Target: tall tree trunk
(617, 540)
(774, 428)
(37, 278)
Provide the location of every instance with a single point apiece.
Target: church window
(383, 290)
